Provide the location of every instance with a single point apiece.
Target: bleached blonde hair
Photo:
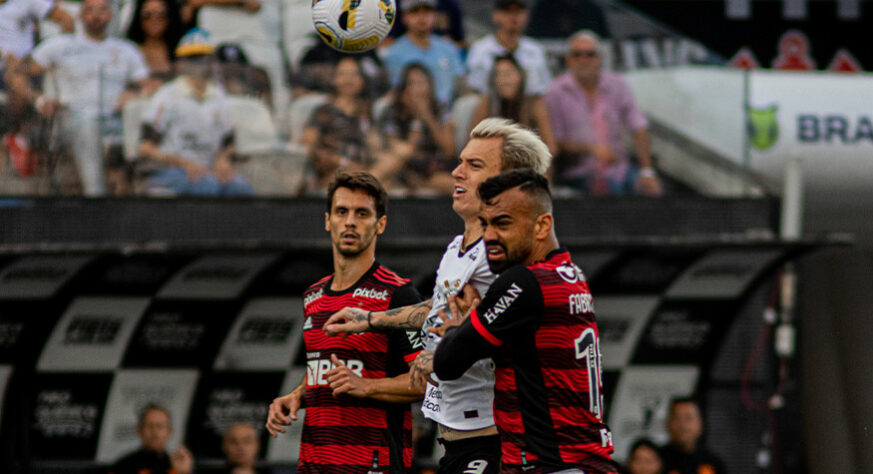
(522, 148)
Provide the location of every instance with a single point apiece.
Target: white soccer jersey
(465, 403)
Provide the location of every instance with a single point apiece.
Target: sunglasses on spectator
(156, 15)
(587, 53)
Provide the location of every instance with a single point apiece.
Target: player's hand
(454, 317)
(421, 371)
(182, 461)
(342, 380)
(349, 320)
(283, 411)
(466, 297)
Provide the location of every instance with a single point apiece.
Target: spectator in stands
(156, 28)
(241, 447)
(239, 77)
(685, 453)
(187, 127)
(154, 428)
(190, 8)
(339, 134)
(511, 18)
(420, 45)
(506, 97)
(93, 76)
(589, 110)
(643, 458)
(449, 24)
(315, 71)
(420, 133)
(562, 18)
(17, 18)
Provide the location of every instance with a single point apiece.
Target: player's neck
(472, 231)
(348, 270)
(542, 249)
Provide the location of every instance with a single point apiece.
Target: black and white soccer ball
(353, 26)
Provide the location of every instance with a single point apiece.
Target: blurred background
(162, 202)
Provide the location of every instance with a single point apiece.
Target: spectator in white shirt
(17, 18)
(92, 76)
(511, 17)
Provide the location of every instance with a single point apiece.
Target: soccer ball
(353, 26)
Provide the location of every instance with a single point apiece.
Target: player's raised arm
(352, 320)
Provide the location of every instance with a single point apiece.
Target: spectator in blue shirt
(421, 45)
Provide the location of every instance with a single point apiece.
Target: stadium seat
(297, 30)
(231, 24)
(462, 114)
(379, 106)
(48, 28)
(299, 111)
(253, 125)
(131, 120)
(268, 56)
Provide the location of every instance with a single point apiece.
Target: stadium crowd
(139, 100)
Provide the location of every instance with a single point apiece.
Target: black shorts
(479, 455)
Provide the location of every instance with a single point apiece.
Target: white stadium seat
(299, 112)
(131, 120)
(231, 24)
(462, 114)
(253, 125)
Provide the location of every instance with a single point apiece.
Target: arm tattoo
(416, 314)
(359, 315)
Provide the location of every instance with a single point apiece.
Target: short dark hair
(680, 400)
(527, 180)
(359, 181)
(149, 407)
(643, 442)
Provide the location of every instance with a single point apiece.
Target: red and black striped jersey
(344, 434)
(537, 323)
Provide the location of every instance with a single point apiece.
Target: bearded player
(461, 408)
(356, 390)
(537, 323)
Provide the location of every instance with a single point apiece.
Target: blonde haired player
(462, 408)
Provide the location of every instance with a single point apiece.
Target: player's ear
(380, 225)
(543, 226)
(327, 221)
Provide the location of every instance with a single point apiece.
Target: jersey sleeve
(41, 8)
(138, 70)
(513, 305)
(408, 342)
(46, 53)
(158, 112)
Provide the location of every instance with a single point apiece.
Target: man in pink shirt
(589, 109)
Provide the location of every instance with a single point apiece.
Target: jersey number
(588, 348)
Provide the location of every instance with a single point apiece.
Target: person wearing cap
(511, 18)
(93, 75)
(187, 127)
(420, 45)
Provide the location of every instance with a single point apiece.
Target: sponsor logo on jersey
(473, 254)
(503, 303)
(317, 369)
(307, 324)
(414, 339)
(312, 297)
(371, 293)
(570, 273)
(581, 303)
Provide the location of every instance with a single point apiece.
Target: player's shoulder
(454, 244)
(388, 277)
(558, 266)
(320, 284)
